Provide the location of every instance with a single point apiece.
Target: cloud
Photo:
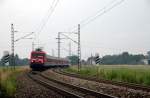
(1, 1)
(147, 1)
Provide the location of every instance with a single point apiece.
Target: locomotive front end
(37, 59)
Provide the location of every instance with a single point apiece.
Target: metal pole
(32, 46)
(12, 45)
(91, 59)
(58, 44)
(79, 49)
(69, 48)
(53, 54)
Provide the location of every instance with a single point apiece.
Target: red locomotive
(39, 59)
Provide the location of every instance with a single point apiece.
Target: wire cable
(46, 18)
(51, 11)
(104, 10)
(99, 13)
(47, 13)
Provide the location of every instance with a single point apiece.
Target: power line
(13, 43)
(51, 10)
(99, 13)
(69, 38)
(102, 12)
(77, 42)
(59, 40)
(23, 37)
(85, 22)
(62, 48)
(45, 19)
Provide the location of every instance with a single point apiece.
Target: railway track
(68, 90)
(123, 84)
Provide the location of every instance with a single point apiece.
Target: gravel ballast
(118, 91)
(27, 88)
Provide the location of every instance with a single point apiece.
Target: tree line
(18, 61)
(124, 58)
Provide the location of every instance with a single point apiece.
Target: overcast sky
(125, 28)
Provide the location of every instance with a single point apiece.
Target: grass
(139, 74)
(8, 80)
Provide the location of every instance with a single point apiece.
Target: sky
(126, 27)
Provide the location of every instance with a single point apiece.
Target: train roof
(37, 52)
(52, 57)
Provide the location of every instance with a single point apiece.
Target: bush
(132, 74)
(8, 80)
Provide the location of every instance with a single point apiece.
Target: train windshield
(37, 55)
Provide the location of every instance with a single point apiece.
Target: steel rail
(81, 89)
(123, 84)
(67, 94)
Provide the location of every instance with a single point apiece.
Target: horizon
(123, 28)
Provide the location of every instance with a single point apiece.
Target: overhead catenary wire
(50, 12)
(38, 29)
(46, 18)
(66, 50)
(104, 10)
(23, 37)
(99, 13)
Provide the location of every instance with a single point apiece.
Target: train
(40, 60)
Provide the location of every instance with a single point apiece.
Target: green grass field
(8, 80)
(139, 74)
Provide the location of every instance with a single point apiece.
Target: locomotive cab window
(38, 55)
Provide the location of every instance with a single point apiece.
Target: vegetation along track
(124, 84)
(68, 90)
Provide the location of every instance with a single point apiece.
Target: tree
(148, 54)
(73, 59)
(124, 58)
(18, 61)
